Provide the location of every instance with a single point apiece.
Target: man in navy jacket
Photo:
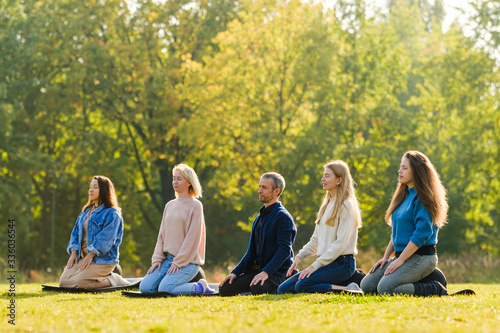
(263, 267)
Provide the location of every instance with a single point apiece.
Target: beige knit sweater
(182, 233)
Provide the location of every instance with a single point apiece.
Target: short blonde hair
(188, 173)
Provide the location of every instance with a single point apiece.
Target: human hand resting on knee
(230, 277)
(261, 277)
(173, 269)
(380, 263)
(153, 266)
(307, 272)
(73, 259)
(295, 265)
(87, 261)
(393, 266)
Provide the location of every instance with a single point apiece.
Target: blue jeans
(178, 283)
(322, 279)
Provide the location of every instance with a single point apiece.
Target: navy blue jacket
(276, 254)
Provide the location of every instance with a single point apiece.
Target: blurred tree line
(235, 89)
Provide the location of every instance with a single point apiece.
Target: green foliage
(236, 89)
(485, 21)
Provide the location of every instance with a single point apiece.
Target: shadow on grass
(42, 293)
(333, 298)
(26, 295)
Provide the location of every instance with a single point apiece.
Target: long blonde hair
(345, 193)
(428, 187)
(191, 176)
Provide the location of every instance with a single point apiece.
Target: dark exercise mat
(465, 292)
(348, 292)
(134, 284)
(138, 294)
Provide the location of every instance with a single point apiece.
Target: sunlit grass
(40, 311)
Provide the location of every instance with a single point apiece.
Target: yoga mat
(138, 294)
(134, 284)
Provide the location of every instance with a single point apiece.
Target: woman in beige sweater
(180, 248)
(334, 239)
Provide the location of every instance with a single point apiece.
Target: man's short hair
(278, 181)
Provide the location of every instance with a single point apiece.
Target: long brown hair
(428, 187)
(107, 194)
(345, 193)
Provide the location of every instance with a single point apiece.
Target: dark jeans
(241, 284)
(321, 280)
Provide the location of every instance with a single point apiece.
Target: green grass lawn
(40, 311)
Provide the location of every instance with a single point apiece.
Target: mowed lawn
(39, 311)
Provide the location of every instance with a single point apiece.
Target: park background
(235, 89)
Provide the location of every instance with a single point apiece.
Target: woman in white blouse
(334, 238)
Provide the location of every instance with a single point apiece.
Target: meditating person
(269, 255)
(334, 238)
(95, 239)
(180, 247)
(417, 211)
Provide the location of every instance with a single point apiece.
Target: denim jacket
(104, 235)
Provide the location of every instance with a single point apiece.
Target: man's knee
(223, 290)
(230, 289)
(266, 288)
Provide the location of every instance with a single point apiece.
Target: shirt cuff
(93, 250)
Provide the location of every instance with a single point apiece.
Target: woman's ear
(339, 181)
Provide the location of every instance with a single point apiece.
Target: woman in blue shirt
(94, 242)
(417, 211)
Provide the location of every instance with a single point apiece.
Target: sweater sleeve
(423, 225)
(158, 255)
(311, 247)
(195, 237)
(346, 231)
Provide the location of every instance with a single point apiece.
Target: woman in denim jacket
(96, 236)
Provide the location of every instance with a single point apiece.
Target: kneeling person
(269, 256)
(95, 239)
(334, 238)
(180, 247)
